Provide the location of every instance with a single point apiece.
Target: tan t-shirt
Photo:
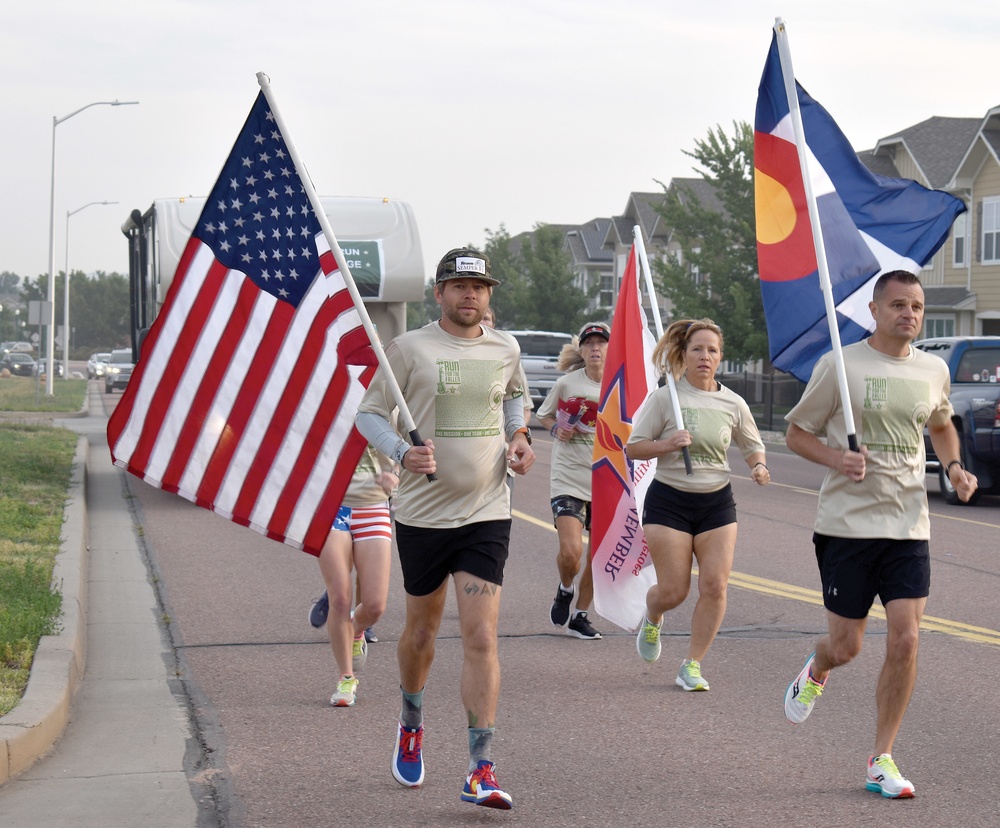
(364, 489)
(455, 389)
(892, 398)
(714, 418)
(575, 396)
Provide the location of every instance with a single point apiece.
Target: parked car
(119, 370)
(18, 363)
(539, 355)
(40, 367)
(974, 366)
(15, 347)
(97, 365)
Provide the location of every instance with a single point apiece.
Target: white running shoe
(884, 777)
(346, 693)
(802, 693)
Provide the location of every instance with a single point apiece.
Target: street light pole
(51, 294)
(65, 348)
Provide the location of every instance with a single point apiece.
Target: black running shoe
(581, 627)
(559, 613)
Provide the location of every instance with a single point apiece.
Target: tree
(720, 246)
(539, 290)
(8, 282)
(420, 313)
(99, 308)
(506, 264)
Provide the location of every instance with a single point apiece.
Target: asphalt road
(587, 733)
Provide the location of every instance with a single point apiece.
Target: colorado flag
(871, 224)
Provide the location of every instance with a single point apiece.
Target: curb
(30, 730)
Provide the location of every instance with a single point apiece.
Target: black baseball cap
(599, 328)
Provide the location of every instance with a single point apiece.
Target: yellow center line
(969, 632)
(815, 493)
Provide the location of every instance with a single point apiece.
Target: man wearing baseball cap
(461, 383)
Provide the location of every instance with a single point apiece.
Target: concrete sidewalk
(100, 737)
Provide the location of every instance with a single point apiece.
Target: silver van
(539, 355)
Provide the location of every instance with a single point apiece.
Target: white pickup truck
(539, 355)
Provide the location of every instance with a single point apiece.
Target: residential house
(962, 156)
(961, 282)
(975, 248)
(640, 210)
(593, 264)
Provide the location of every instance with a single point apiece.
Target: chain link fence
(770, 396)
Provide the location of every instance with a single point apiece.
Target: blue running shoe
(408, 761)
(319, 611)
(481, 788)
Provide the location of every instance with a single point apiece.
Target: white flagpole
(324, 223)
(785, 55)
(658, 324)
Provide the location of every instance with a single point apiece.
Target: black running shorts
(428, 556)
(690, 512)
(854, 570)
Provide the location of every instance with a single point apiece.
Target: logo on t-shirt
(469, 398)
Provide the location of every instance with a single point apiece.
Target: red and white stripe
(370, 523)
(245, 405)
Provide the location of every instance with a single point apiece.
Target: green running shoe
(690, 677)
(359, 652)
(647, 641)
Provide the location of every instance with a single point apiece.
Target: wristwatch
(525, 432)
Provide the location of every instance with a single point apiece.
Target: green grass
(20, 394)
(35, 467)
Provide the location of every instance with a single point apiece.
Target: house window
(939, 325)
(991, 231)
(958, 233)
(606, 297)
(694, 269)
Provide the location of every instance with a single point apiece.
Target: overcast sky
(477, 113)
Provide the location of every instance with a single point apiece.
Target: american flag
(244, 397)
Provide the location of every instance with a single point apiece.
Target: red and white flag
(244, 397)
(619, 555)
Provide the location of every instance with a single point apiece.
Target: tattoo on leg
(487, 589)
(474, 720)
